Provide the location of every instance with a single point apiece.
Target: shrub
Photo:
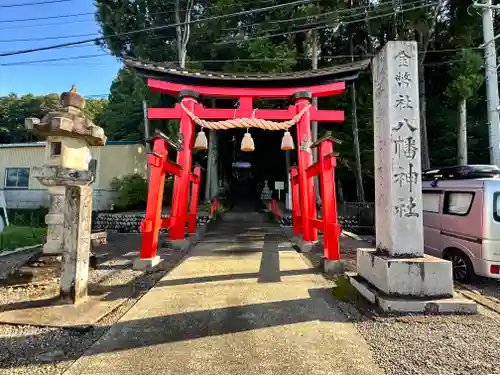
(131, 192)
(28, 217)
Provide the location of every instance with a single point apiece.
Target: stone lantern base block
(145, 264)
(425, 276)
(409, 305)
(53, 248)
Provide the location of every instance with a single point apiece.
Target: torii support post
(195, 194)
(296, 219)
(327, 160)
(151, 225)
(305, 158)
(325, 167)
(180, 197)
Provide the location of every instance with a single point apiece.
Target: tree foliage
(279, 40)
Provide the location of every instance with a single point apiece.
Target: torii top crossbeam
(245, 87)
(322, 82)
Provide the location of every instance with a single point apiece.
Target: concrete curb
(20, 249)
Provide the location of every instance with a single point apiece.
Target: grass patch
(15, 236)
(344, 291)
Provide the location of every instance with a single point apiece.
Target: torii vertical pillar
(305, 160)
(180, 197)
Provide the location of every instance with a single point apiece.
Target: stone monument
(266, 194)
(397, 274)
(68, 165)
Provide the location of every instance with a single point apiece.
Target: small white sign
(279, 185)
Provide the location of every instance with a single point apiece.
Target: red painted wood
(193, 205)
(331, 229)
(165, 222)
(317, 224)
(151, 225)
(172, 168)
(296, 220)
(306, 186)
(313, 170)
(181, 183)
(235, 92)
(224, 114)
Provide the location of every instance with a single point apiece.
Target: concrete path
(243, 303)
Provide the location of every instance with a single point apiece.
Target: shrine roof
(170, 73)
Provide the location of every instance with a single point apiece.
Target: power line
(35, 3)
(266, 36)
(44, 24)
(55, 59)
(246, 39)
(128, 33)
(47, 18)
(92, 13)
(306, 24)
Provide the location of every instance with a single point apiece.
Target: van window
(430, 201)
(458, 203)
(496, 206)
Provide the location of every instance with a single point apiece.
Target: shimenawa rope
(245, 122)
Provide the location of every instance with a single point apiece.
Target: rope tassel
(201, 142)
(287, 142)
(247, 144)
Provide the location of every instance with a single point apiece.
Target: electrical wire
(93, 13)
(245, 39)
(55, 59)
(35, 3)
(155, 28)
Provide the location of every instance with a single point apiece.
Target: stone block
(430, 305)
(145, 264)
(364, 289)
(333, 267)
(419, 277)
(307, 246)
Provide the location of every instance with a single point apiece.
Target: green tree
(467, 79)
(94, 109)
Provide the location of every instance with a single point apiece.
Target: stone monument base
(408, 285)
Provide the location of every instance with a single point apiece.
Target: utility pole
(491, 77)
(146, 131)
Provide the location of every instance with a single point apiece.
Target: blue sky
(92, 76)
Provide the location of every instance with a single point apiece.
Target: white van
(461, 214)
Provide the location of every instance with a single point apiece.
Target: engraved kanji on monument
(398, 180)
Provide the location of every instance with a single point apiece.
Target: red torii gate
(306, 224)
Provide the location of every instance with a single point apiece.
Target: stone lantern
(68, 171)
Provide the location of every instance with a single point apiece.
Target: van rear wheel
(463, 270)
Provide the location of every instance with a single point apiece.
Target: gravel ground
(29, 350)
(430, 345)
(421, 345)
